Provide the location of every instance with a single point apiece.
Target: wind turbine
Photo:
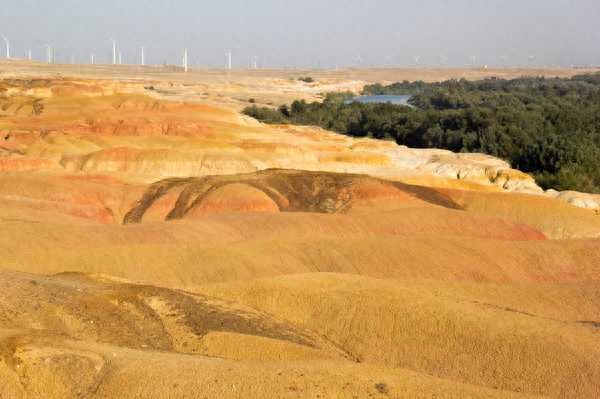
(388, 59)
(120, 58)
(473, 60)
(92, 59)
(255, 65)
(143, 55)
(229, 60)
(7, 42)
(114, 51)
(29, 56)
(49, 54)
(503, 59)
(185, 60)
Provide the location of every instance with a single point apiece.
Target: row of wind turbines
(118, 59)
(117, 56)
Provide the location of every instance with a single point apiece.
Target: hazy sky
(312, 33)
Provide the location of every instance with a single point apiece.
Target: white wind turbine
(473, 60)
(388, 59)
(92, 59)
(49, 54)
(185, 60)
(229, 60)
(7, 43)
(502, 59)
(114, 51)
(143, 55)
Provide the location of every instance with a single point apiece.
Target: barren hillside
(156, 243)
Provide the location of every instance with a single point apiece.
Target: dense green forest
(549, 128)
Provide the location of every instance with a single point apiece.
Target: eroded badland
(155, 243)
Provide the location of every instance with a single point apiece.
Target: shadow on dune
(290, 190)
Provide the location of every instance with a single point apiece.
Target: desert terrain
(156, 243)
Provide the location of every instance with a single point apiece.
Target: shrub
(306, 79)
(266, 115)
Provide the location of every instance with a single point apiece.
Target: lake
(382, 99)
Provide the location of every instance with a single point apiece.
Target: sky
(310, 33)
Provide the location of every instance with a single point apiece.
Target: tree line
(549, 128)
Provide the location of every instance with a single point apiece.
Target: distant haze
(311, 33)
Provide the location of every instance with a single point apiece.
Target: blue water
(389, 99)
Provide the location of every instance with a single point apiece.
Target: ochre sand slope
(401, 283)
(451, 331)
(153, 248)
